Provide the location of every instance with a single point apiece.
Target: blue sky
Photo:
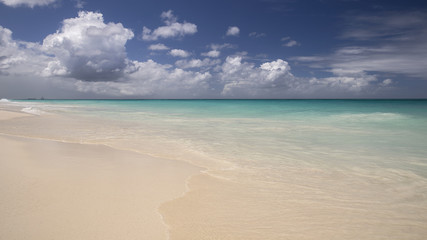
(213, 49)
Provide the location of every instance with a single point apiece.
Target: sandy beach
(93, 172)
(213, 120)
(57, 190)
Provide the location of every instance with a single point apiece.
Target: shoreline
(221, 198)
(69, 190)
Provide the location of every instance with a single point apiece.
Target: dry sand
(7, 115)
(56, 190)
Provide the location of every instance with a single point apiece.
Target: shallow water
(341, 169)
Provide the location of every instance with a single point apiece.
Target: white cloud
(385, 25)
(197, 63)
(221, 46)
(179, 53)
(233, 31)
(386, 82)
(87, 58)
(308, 58)
(7, 45)
(355, 82)
(20, 58)
(170, 30)
(245, 79)
(152, 79)
(49, 66)
(274, 80)
(158, 47)
(80, 4)
(242, 54)
(212, 54)
(288, 42)
(390, 43)
(408, 59)
(291, 43)
(256, 35)
(168, 17)
(383, 45)
(28, 3)
(88, 49)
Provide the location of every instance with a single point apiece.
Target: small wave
(377, 116)
(32, 110)
(4, 100)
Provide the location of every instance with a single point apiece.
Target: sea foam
(32, 110)
(375, 116)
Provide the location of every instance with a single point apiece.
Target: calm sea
(334, 133)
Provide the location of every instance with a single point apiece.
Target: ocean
(341, 169)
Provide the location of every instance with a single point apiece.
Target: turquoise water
(365, 133)
(397, 126)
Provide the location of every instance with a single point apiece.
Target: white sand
(6, 115)
(56, 190)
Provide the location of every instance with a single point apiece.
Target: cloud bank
(387, 43)
(27, 3)
(87, 57)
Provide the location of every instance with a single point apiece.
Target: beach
(57, 190)
(212, 170)
(213, 120)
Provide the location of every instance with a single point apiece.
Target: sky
(213, 49)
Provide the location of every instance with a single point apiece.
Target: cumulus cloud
(155, 80)
(179, 53)
(243, 78)
(197, 63)
(27, 3)
(233, 31)
(19, 57)
(273, 79)
(170, 30)
(158, 47)
(212, 54)
(9, 49)
(87, 57)
(88, 49)
(86, 45)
